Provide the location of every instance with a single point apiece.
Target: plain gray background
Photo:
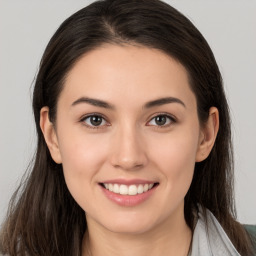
(26, 27)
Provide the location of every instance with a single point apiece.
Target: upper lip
(129, 182)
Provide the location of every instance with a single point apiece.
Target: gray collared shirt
(211, 240)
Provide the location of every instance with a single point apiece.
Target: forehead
(126, 74)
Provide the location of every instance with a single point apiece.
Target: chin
(129, 229)
(133, 225)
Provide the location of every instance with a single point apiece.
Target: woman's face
(126, 121)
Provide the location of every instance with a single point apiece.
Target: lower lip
(127, 200)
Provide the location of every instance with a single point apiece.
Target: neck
(171, 237)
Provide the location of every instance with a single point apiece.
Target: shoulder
(251, 229)
(209, 238)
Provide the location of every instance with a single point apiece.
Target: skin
(129, 144)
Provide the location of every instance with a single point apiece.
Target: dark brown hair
(42, 212)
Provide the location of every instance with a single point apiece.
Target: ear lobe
(50, 135)
(208, 135)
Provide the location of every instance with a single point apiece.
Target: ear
(50, 136)
(208, 135)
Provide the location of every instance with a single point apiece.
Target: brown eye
(161, 120)
(94, 121)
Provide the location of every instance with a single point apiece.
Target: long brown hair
(43, 218)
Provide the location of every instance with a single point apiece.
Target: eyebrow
(94, 102)
(150, 104)
(163, 101)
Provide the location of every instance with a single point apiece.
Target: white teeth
(140, 189)
(116, 188)
(110, 187)
(123, 190)
(145, 188)
(128, 190)
(132, 190)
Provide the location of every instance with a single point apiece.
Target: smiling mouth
(131, 190)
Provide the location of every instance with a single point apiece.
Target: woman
(134, 149)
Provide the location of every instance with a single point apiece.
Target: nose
(128, 149)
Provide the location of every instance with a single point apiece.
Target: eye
(161, 120)
(94, 121)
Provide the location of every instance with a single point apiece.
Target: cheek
(82, 158)
(178, 147)
(81, 153)
(174, 155)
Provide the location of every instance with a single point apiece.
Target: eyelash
(172, 120)
(94, 115)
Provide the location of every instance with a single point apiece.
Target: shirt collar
(209, 238)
